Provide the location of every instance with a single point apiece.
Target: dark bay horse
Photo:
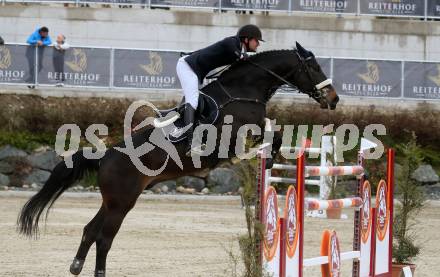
(241, 91)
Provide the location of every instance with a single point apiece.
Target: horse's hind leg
(110, 228)
(90, 233)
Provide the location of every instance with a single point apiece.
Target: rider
(192, 69)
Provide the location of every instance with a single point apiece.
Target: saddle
(171, 121)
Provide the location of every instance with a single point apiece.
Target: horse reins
(316, 94)
(253, 100)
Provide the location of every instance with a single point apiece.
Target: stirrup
(196, 151)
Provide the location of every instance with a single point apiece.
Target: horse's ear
(303, 52)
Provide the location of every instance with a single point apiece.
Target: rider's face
(253, 45)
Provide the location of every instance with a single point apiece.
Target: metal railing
(151, 69)
(418, 9)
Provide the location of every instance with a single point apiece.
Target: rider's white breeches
(189, 81)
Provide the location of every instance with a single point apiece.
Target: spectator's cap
(44, 30)
(250, 31)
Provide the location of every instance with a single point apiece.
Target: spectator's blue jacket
(32, 40)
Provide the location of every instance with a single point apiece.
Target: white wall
(352, 36)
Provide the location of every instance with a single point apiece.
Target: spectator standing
(40, 38)
(60, 47)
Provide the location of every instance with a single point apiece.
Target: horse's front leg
(276, 145)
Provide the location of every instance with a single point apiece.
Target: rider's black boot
(189, 115)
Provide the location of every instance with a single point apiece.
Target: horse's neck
(251, 81)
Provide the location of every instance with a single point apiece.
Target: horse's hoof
(100, 273)
(76, 266)
(269, 163)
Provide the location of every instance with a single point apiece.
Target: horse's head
(311, 80)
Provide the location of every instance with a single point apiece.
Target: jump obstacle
(282, 244)
(327, 147)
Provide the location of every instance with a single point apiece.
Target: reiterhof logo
(367, 81)
(155, 67)
(436, 78)
(271, 234)
(372, 74)
(5, 63)
(382, 210)
(366, 212)
(394, 7)
(77, 71)
(292, 224)
(5, 57)
(79, 61)
(157, 70)
(422, 80)
(335, 256)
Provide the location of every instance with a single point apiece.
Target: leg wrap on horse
(76, 266)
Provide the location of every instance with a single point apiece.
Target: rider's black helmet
(250, 31)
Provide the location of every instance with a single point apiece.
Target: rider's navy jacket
(218, 54)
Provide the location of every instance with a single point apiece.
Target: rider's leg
(190, 85)
(189, 81)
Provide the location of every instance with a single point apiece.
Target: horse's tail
(59, 181)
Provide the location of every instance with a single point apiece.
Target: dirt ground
(166, 236)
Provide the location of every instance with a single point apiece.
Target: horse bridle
(319, 94)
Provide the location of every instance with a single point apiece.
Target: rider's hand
(244, 56)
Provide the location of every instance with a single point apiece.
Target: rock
(171, 185)
(425, 174)
(164, 188)
(180, 189)
(205, 191)
(148, 192)
(157, 190)
(6, 168)
(25, 186)
(5, 188)
(223, 180)
(10, 151)
(35, 186)
(433, 192)
(44, 160)
(185, 190)
(193, 183)
(42, 149)
(37, 176)
(4, 180)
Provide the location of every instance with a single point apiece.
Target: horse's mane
(256, 58)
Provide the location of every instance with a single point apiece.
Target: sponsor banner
(327, 6)
(187, 3)
(367, 78)
(422, 80)
(434, 8)
(77, 66)
(145, 69)
(277, 5)
(144, 2)
(326, 64)
(39, 1)
(14, 65)
(393, 7)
